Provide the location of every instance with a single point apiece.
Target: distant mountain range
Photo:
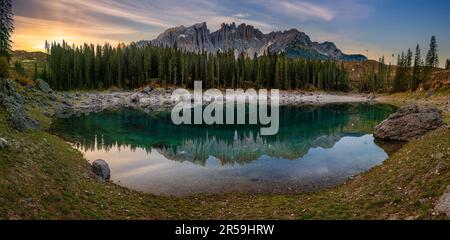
(246, 38)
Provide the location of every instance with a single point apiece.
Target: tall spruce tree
(6, 28)
(432, 59)
(447, 64)
(409, 56)
(417, 70)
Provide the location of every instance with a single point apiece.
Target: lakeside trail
(43, 177)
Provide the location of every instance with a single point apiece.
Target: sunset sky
(381, 26)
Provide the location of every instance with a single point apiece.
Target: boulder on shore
(408, 123)
(43, 86)
(14, 102)
(101, 169)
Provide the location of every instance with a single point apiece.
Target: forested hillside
(100, 67)
(90, 66)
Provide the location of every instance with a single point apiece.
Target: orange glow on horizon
(30, 34)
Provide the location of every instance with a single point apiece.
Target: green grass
(42, 177)
(440, 99)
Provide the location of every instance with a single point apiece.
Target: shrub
(24, 81)
(4, 65)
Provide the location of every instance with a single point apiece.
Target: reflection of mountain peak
(326, 141)
(301, 128)
(246, 148)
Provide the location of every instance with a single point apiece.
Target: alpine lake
(317, 146)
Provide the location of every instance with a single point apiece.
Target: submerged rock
(408, 123)
(101, 169)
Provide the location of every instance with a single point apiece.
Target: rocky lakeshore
(160, 99)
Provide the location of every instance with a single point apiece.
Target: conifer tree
(6, 28)
(417, 69)
(432, 59)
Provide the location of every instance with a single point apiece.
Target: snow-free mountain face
(246, 38)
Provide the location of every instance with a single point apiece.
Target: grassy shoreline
(42, 177)
(439, 99)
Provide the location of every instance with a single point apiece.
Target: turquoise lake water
(316, 147)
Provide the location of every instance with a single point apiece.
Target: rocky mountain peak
(225, 26)
(246, 38)
(201, 26)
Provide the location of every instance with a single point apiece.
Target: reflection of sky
(316, 147)
(152, 172)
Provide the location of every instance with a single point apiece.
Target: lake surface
(316, 147)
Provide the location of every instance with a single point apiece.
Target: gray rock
(66, 102)
(64, 111)
(371, 97)
(43, 86)
(3, 143)
(135, 98)
(14, 105)
(19, 119)
(101, 169)
(438, 155)
(147, 90)
(443, 205)
(8, 87)
(409, 122)
(52, 97)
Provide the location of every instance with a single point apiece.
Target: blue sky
(381, 26)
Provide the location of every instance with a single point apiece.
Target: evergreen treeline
(413, 71)
(99, 67)
(410, 72)
(403, 76)
(376, 79)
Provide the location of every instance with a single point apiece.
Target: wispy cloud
(241, 15)
(116, 9)
(305, 10)
(117, 21)
(354, 25)
(132, 20)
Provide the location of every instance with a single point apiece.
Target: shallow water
(316, 147)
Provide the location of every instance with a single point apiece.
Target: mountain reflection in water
(316, 147)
